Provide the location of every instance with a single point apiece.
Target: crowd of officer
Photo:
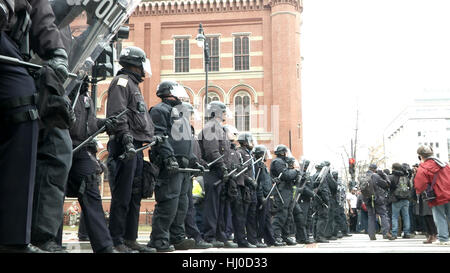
(46, 156)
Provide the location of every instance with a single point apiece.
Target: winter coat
(394, 178)
(424, 177)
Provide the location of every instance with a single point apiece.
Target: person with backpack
(400, 193)
(373, 188)
(435, 175)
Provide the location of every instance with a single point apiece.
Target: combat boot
(321, 240)
(29, 248)
(261, 245)
(279, 242)
(246, 245)
(229, 244)
(202, 245)
(216, 243)
(184, 244)
(108, 249)
(289, 241)
(138, 247)
(124, 249)
(51, 246)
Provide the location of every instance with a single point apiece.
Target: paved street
(358, 243)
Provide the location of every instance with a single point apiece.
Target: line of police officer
(239, 189)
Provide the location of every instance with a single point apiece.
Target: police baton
(270, 192)
(241, 172)
(214, 161)
(99, 131)
(220, 180)
(153, 143)
(211, 163)
(15, 61)
(190, 170)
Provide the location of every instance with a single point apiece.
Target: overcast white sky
(374, 54)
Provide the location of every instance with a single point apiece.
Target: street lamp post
(202, 42)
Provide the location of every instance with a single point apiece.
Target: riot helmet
(261, 151)
(135, 56)
(306, 163)
(319, 167)
(232, 132)
(290, 161)
(281, 150)
(246, 140)
(171, 89)
(217, 109)
(335, 174)
(326, 163)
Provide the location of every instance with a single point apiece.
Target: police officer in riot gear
(191, 228)
(248, 177)
(214, 143)
(172, 186)
(233, 192)
(133, 129)
(19, 119)
(283, 165)
(304, 203)
(84, 176)
(341, 219)
(321, 204)
(264, 205)
(331, 230)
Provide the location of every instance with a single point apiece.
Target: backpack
(366, 185)
(403, 190)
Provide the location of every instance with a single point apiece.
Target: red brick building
(255, 62)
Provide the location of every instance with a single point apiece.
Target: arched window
(242, 111)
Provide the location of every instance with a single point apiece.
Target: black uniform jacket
(86, 123)
(123, 93)
(214, 142)
(168, 121)
(44, 35)
(264, 181)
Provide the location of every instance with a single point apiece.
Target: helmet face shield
(228, 113)
(147, 67)
(179, 92)
(232, 132)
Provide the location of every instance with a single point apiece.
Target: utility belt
(27, 114)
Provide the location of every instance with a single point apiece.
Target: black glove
(59, 63)
(276, 180)
(171, 165)
(110, 125)
(251, 183)
(72, 116)
(224, 172)
(200, 166)
(127, 142)
(158, 139)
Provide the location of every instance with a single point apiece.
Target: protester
(352, 201)
(435, 174)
